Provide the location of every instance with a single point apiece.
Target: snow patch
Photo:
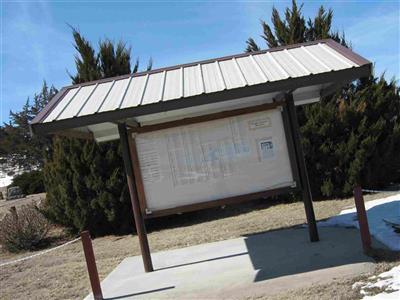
(5, 180)
(377, 211)
(388, 282)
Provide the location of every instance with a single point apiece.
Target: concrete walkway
(261, 264)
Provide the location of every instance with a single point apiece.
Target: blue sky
(36, 42)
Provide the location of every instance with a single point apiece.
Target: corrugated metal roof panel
(115, 95)
(250, 71)
(331, 61)
(212, 78)
(96, 99)
(173, 84)
(314, 64)
(134, 93)
(288, 64)
(231, 74)
(153, 87)
(337, 55)
(271, 68)
(192, 81)
(59, 109)
(203, 77)
(79, 101)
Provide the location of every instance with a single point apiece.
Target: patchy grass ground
(61, 274)
(5, 205)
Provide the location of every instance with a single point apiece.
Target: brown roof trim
(263, 88)
(280, 48)
(348, 53)
(49, 107)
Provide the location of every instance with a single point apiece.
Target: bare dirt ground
(61, 274)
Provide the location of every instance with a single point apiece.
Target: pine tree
(252, 46)
(18, 148)
(85, 181)
(294, 29)
(86, 187)
(86, 61)
(353, 136)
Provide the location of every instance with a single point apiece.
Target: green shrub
(352, 138)
(86, 187)
(25, 229)
(30, 182)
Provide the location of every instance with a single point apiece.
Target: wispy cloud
(374, 30)
(37, 35)
(32, 50)
(377, 36)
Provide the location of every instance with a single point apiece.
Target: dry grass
(61, 274)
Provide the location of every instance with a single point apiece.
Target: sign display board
(212, 160)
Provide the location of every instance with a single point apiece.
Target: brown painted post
(91, 265)
(362, 219)
(139, 221)
(305, 184)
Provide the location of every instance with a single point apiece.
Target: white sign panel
(213, 160)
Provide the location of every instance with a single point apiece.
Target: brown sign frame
(221, 201)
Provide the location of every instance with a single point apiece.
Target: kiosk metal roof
(318, 64)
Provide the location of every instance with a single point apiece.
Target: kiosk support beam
(305, 184)
(139, 221)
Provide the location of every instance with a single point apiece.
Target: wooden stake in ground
(362, 219)
(91, 265)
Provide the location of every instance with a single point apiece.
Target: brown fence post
(362, 219)
(91, 265)
(13, 211)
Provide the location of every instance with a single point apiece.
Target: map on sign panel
(219, 158)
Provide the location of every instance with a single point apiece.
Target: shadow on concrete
(141, 293)
(288, 252)
(202, 261)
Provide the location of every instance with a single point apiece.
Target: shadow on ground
(287, 252)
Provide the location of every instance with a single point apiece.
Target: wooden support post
(139, 221)
(362, 219)
(91, 265)
(305, 184)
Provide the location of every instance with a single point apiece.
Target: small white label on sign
(266, 148)
(259, 123)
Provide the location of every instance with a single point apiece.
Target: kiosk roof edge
(317, 63)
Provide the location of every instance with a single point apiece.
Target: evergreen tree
(294, 29)
(18, 148)
(85, 181)
(351, 137)
(86, 60)
(354, 137)
(86, 187)
(252, 45)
